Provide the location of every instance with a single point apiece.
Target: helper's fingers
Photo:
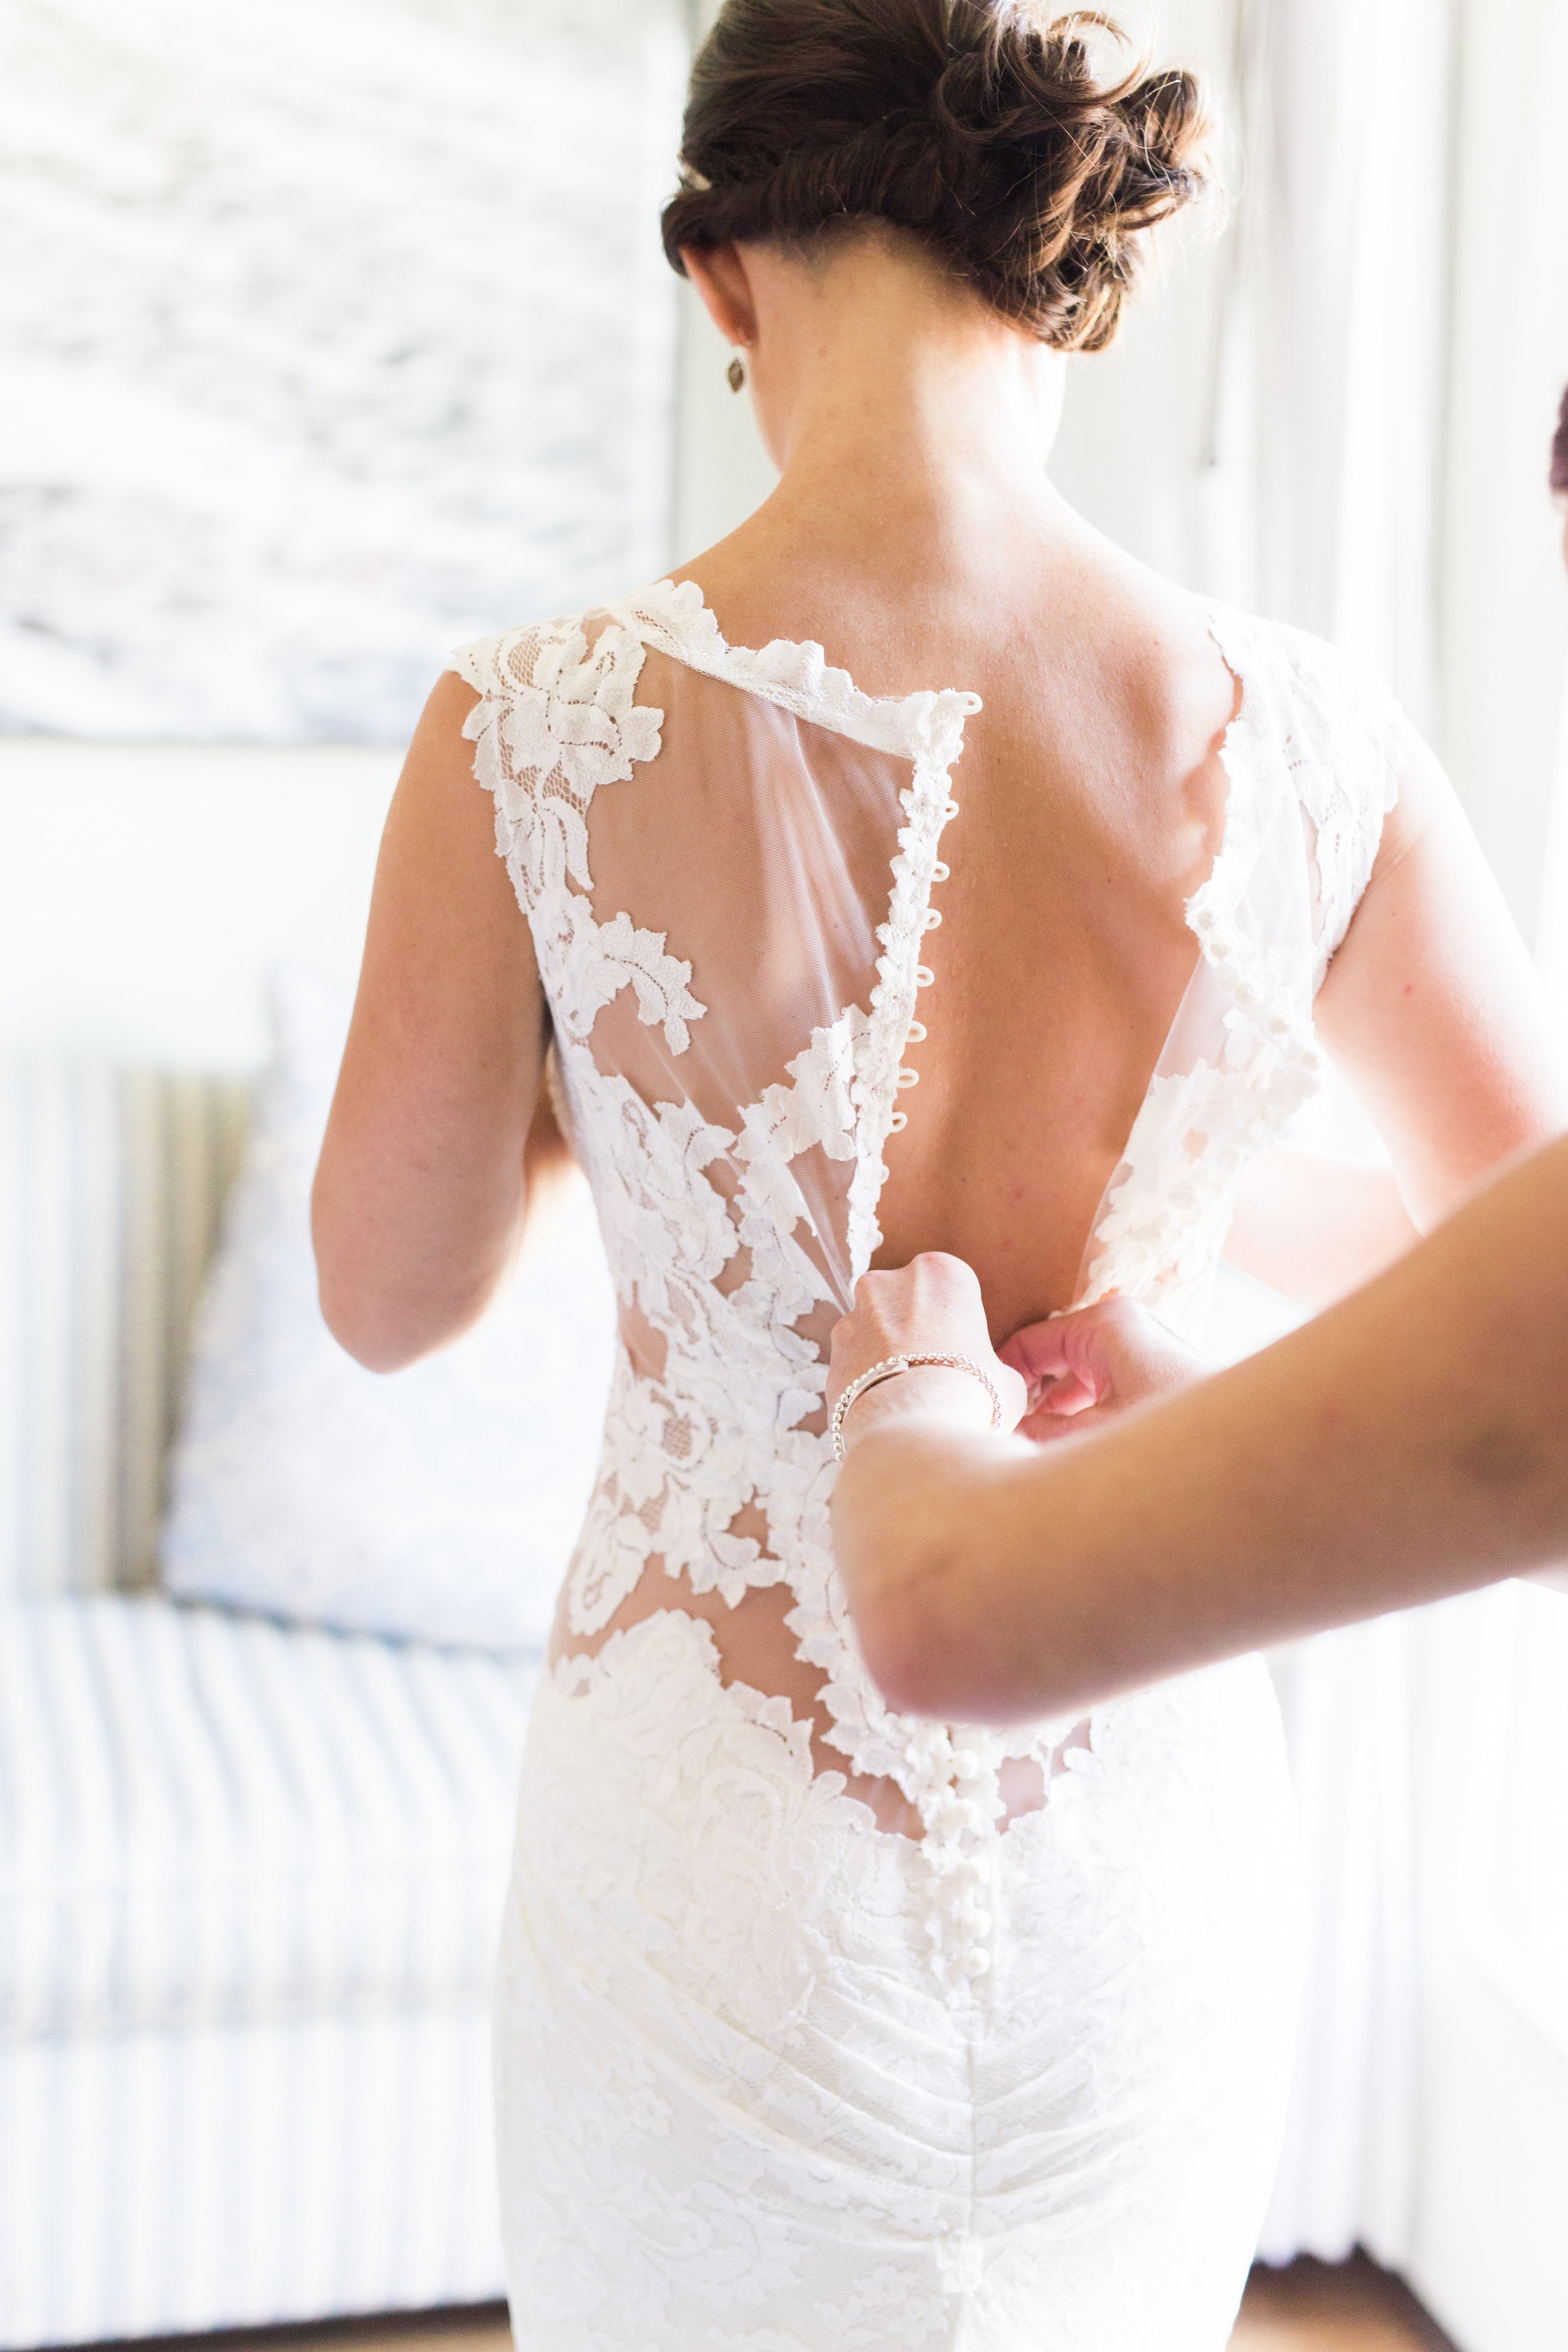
(1037, 1353)
(1047, 1426)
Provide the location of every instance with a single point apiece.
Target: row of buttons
(956, 1791)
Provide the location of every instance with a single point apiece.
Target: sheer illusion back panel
(757, 849)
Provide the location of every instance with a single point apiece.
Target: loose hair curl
(978, 125)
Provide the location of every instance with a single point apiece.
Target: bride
(818, 2026)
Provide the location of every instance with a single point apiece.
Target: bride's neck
(893, 402)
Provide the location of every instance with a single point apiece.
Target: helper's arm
(1410, 1442)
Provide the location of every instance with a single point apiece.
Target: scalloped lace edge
(926, 726)
(1288, 1061)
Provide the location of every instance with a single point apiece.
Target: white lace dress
(772, 2077)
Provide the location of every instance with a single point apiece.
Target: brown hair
(1559, 452)
(979, 125)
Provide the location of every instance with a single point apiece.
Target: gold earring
(736, 373)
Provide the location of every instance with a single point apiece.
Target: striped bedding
(250, 1879)
(207, 1818)
(249, 1873)
(113, 1181)
(160, 2183)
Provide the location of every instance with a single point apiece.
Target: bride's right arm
(1434, 1010)
(1316, 1228)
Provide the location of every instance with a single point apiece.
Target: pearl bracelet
(889, 1369)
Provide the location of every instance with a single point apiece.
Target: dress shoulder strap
(1340, 730)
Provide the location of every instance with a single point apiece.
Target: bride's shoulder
(558, 653)
(1285, 668)
(1310, 669)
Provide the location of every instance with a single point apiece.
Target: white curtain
(1394, 336)
(1504, 603)
(1349, 2166)
(1341, 233)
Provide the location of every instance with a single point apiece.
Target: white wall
(144, 893)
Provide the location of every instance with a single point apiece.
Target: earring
(736, 373)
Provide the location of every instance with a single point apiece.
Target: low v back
(730, 862)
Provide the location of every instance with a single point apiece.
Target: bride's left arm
(1435, 1013)
(441, 1148)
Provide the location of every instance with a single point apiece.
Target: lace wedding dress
(775, 2076)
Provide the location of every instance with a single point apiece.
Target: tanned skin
(1410, 1442)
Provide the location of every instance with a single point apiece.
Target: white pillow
(441, 1502)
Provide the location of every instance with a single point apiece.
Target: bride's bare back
(1090, 796)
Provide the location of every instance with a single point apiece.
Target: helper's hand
(930, 1307)
(1080, 1369)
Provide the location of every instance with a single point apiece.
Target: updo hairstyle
(979, 125)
